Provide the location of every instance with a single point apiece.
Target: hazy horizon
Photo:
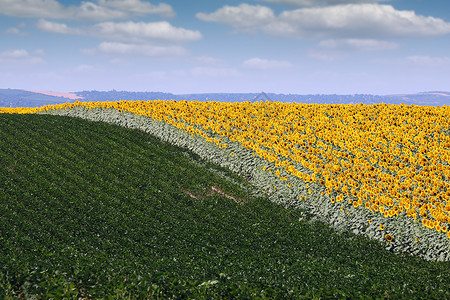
(251, 92)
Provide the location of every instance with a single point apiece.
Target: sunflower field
(378, 170)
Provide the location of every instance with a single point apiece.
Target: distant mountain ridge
(433, 98)
(22, 98)
(59, 94)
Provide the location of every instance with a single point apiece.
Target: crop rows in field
(380, 170)
(93, 211)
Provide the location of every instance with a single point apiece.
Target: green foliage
(93, 210)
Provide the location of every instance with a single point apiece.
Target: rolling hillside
(91, 210)
(22, 98)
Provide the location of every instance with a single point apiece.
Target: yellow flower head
(438, 227)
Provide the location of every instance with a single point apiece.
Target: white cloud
(335, 49)
(137, 49)
(14, 31)
(32, 8)
(242, 17)
(363, 21)
(321, 2)
(139, 7)
(429, 60)
(55, 27)
(141, 32)
(14, 54)
(265, 64)
(133, 32)
(87, 10)
(92, 11)
(357, 44)
(19, 56)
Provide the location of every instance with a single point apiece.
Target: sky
(229, 46)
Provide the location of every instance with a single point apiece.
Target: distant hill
(435, 98)
(71, 96)
(22, 98)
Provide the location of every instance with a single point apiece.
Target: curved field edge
(100, 211)
(430, 244)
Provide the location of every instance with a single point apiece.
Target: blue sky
(180, 46)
